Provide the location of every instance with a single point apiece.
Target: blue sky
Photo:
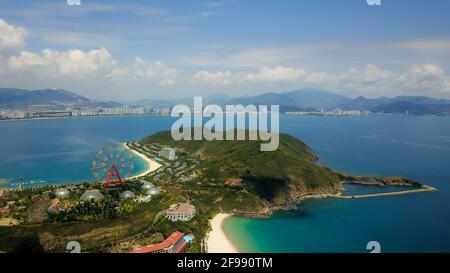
(163, 49)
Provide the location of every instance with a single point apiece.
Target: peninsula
(206, 179)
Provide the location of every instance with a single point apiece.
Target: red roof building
(173, 244)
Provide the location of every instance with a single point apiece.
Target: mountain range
(312, 99)
(54, 98)
(298, 100)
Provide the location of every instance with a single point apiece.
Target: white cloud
(275, 74)
(426, 79)
(264, 74)
(372, 73)
(96, 73)
(144, 70)
(12, 38)
(73, 62)
(214, 78)
(372, 81)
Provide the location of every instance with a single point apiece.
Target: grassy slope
(272, 175)
(268, 176)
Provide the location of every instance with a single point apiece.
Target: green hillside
(274, 176)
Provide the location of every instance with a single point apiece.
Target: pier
(424, 188)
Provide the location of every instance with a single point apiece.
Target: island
(174, 206)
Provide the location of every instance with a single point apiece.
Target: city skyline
(141, 50)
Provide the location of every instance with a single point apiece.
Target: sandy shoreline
(152, 165)
(217, 241)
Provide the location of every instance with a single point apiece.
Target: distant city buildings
(168, 153)
(334, 112)
(40, 111)
(180, 212)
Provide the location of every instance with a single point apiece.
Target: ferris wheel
(112, 164)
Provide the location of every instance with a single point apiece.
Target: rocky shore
(296, 196)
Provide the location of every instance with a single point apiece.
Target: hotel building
(175, 243)
(180, 212)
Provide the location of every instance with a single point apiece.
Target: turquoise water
(61, 150)
(417, 147)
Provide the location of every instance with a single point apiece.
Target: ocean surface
(56, 151)
(416, 147)
(61, 151)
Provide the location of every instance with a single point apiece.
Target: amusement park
(117, 194)
(109, 163)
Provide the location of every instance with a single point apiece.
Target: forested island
(214, 176)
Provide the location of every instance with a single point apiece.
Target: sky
(132, 50)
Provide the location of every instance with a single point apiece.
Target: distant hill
(391, 104)
(21, 97)
(362, 103)
(313, 99)
(304, 99)
(413, 108)
(298, 100)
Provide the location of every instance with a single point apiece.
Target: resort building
(180, 212)
(62, 193)
(147, 185)
(175, 243)
(89, 195)
(153, 192)
(144, 199)
(127, 195)
(168, 153)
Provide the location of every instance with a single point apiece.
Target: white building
(144, 199)
(337, 112)
(180, 212)
(168, 153)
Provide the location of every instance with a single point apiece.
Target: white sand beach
(217, 240)
(152, 165)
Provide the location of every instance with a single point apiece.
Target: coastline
(152, 165)
(217, 241)
(82, 117)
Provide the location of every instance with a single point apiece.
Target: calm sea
(61, 150)
(416, 147)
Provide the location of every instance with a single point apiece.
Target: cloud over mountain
(99, 74)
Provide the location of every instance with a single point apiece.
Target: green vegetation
(214, 176)
(272, 176)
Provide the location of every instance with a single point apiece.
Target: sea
(55, 151)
